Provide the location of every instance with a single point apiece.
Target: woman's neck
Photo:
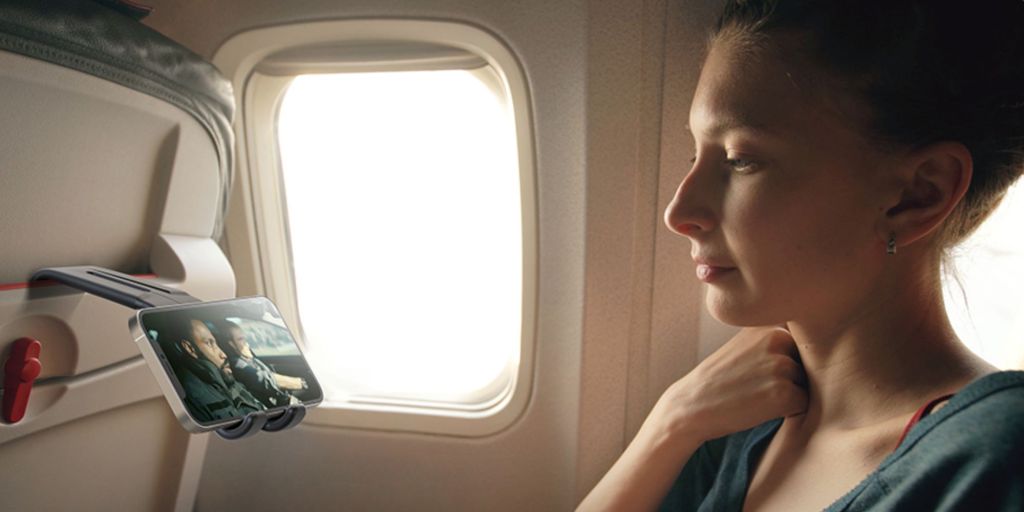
(885, 360)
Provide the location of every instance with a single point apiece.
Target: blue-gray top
(969, 455)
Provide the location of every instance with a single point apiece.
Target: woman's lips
(711, 273)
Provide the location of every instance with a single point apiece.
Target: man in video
(270, 387)
(211, 391)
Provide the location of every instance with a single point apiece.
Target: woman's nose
(689, 214)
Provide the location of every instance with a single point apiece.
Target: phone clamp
(134, 293)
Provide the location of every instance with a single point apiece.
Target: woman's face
(780, 203)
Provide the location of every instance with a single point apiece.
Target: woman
(841, 148)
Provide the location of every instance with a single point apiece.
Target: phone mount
(128, 291)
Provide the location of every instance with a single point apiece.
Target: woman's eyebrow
(723, 123)
(718, 130)
(733, 124)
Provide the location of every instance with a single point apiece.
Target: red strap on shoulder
(921, 413)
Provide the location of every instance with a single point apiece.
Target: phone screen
(230, 358)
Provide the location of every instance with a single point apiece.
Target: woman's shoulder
(988, 411)
(993, 404)
(969, 452)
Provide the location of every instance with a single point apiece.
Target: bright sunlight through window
(404, 213)
(988, 311)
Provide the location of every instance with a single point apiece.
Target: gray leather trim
(94, 39)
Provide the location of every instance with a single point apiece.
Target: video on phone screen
(231, 358)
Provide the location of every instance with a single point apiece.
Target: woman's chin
(732, 310)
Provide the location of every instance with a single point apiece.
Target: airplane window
(984, 289)
(405, 223)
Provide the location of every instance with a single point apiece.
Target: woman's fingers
(797, 403)
(778, 340)
(755, 377)
(791, 370)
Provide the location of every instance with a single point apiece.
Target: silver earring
(890, 249)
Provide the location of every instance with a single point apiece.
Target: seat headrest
(95, 39)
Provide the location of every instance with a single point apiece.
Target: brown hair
(930, 71)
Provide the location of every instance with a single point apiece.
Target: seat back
(115, 150)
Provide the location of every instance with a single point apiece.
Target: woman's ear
(931, 181)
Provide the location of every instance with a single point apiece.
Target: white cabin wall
(619, 307)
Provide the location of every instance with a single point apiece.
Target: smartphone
(218, 361)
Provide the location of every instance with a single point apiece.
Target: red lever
(21, 369)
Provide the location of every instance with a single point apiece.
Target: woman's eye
(741, 165)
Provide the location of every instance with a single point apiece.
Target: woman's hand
(756, 376)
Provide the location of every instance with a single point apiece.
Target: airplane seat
(115, 151)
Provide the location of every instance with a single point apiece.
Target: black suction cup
(289, 418)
